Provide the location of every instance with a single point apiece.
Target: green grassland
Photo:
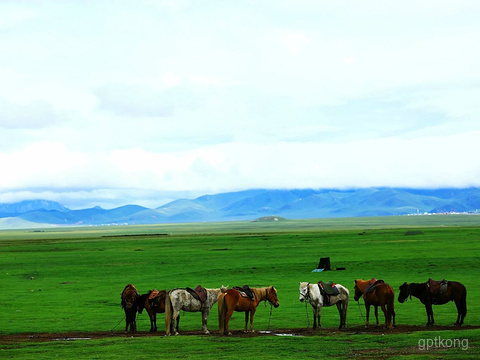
(60, 280)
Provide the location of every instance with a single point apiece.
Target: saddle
(328, 288)
(199, 293)
(156, 297)
(245, 291)
(372, 285)
(437, 287)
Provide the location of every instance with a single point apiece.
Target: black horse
(452, 291)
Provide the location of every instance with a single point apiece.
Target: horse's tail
(463, 302)
(168, 314)
(347, 298)
(390, 304)
(222, 311)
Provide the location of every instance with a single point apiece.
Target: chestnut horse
(130, 304)
(455, 291)
(232, 300)
(153, 306)
(382, 295)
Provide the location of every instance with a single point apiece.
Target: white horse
(181, 299)
(311, 292)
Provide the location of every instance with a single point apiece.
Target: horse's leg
(246, 321)
(345, 310)
(367, 310)
(228, 315)
(175, 315)
(205, 313)
(391, 309)
(376, 315)
(432, 321)
(314, 316)
(428, 315)
(252, 314)
(319, 314)
(340, 312)
(386, 314)
(154, 322)
(459, 313)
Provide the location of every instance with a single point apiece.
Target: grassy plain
(62, 280)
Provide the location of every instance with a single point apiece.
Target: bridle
(267, 297)
(306, 296)
(409, 293)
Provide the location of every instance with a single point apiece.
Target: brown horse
(234, 300)
(454, 291)
(130, 305)
(154, 303)
(377, 293)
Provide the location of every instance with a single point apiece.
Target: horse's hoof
(206, 332)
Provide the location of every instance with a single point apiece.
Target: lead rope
(270, 318)
(306, 310)
(123, 318)
(360, 309)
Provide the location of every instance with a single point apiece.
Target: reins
(271, 307)
(307, 297)
(360, 310)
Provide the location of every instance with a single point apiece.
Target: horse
(154, 306)
(181, 299)
(129, 304)
(233, 300)
(377, 293)
(455, 291)
(312, 293)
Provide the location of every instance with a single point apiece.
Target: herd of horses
(376, 293)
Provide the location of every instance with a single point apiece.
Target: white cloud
(156, 97)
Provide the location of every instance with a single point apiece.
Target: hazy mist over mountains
(249, 205)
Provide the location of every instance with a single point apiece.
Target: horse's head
(304, 291)
(358, 290)
(272, 296)
(129, 297)
(223, 288)
(404, 292)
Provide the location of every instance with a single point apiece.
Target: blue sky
(110, 103)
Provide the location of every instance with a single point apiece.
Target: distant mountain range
(251, 205)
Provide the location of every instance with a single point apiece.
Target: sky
(108, 103)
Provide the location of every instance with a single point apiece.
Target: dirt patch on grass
(92, 335)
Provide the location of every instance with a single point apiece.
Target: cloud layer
(145, 101)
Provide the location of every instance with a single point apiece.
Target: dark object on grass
(324, 263)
